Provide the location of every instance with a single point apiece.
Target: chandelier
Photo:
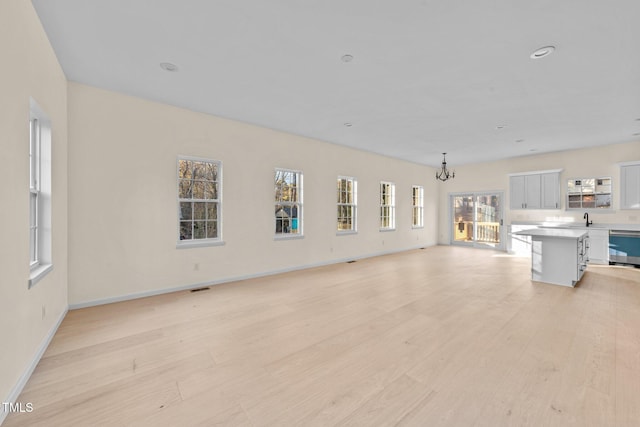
(443, 174)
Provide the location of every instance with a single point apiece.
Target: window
(199, 201)
(589, 193)
(40, 257)
(347, 204)
(417, 204)
(387, 206)
(288, 203)
(34, 189)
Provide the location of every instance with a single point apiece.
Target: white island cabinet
(558, 256)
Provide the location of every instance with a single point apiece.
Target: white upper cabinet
(630, 186)
(535, 190)
(517, 193)
(550, 190)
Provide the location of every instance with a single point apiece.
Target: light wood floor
(444, 336)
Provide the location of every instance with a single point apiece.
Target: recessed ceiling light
(347, 58)
(168, 66)
(542, 52)
(500, 127)
(519, 140)
(533, 149)
(348, 124)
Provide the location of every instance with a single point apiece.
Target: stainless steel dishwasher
(624, 247)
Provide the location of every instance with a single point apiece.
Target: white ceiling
(426, 77)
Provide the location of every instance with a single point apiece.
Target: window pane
(210, 190)
(199, 229)
(278, 225)
(186, 211)
(588, 185)
(199, 170)
(199, 211)
(33, 209)
(295, 211)
(185, 230)
(212, 230)
(211, 171)
(33, 245)
(212, 211)
(198, 190)
(290, 178)
(184, 171)
(185, 189)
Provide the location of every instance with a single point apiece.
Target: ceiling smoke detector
(347, 58)
(542, 52)
(168, 66)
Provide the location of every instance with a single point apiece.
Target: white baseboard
(136, 295)
(22, 381)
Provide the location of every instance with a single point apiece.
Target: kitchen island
(558, 255)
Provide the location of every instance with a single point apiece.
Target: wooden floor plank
(440, 337)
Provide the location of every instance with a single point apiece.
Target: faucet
(586, 216)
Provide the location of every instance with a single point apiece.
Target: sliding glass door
(476, 219)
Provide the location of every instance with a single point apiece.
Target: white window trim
(392, 206)
(199, 243)
(354, 206)
(40, 184)
(420, 206)
(300, 203)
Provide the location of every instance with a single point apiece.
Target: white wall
(122, 203)
(29, 69)
(584, 163)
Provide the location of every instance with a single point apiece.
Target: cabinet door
(599, 246)
(516, 192)
(550, 191)
(630, 187)
(532, 192)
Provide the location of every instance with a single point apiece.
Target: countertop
(579, 225)
(560, 233)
